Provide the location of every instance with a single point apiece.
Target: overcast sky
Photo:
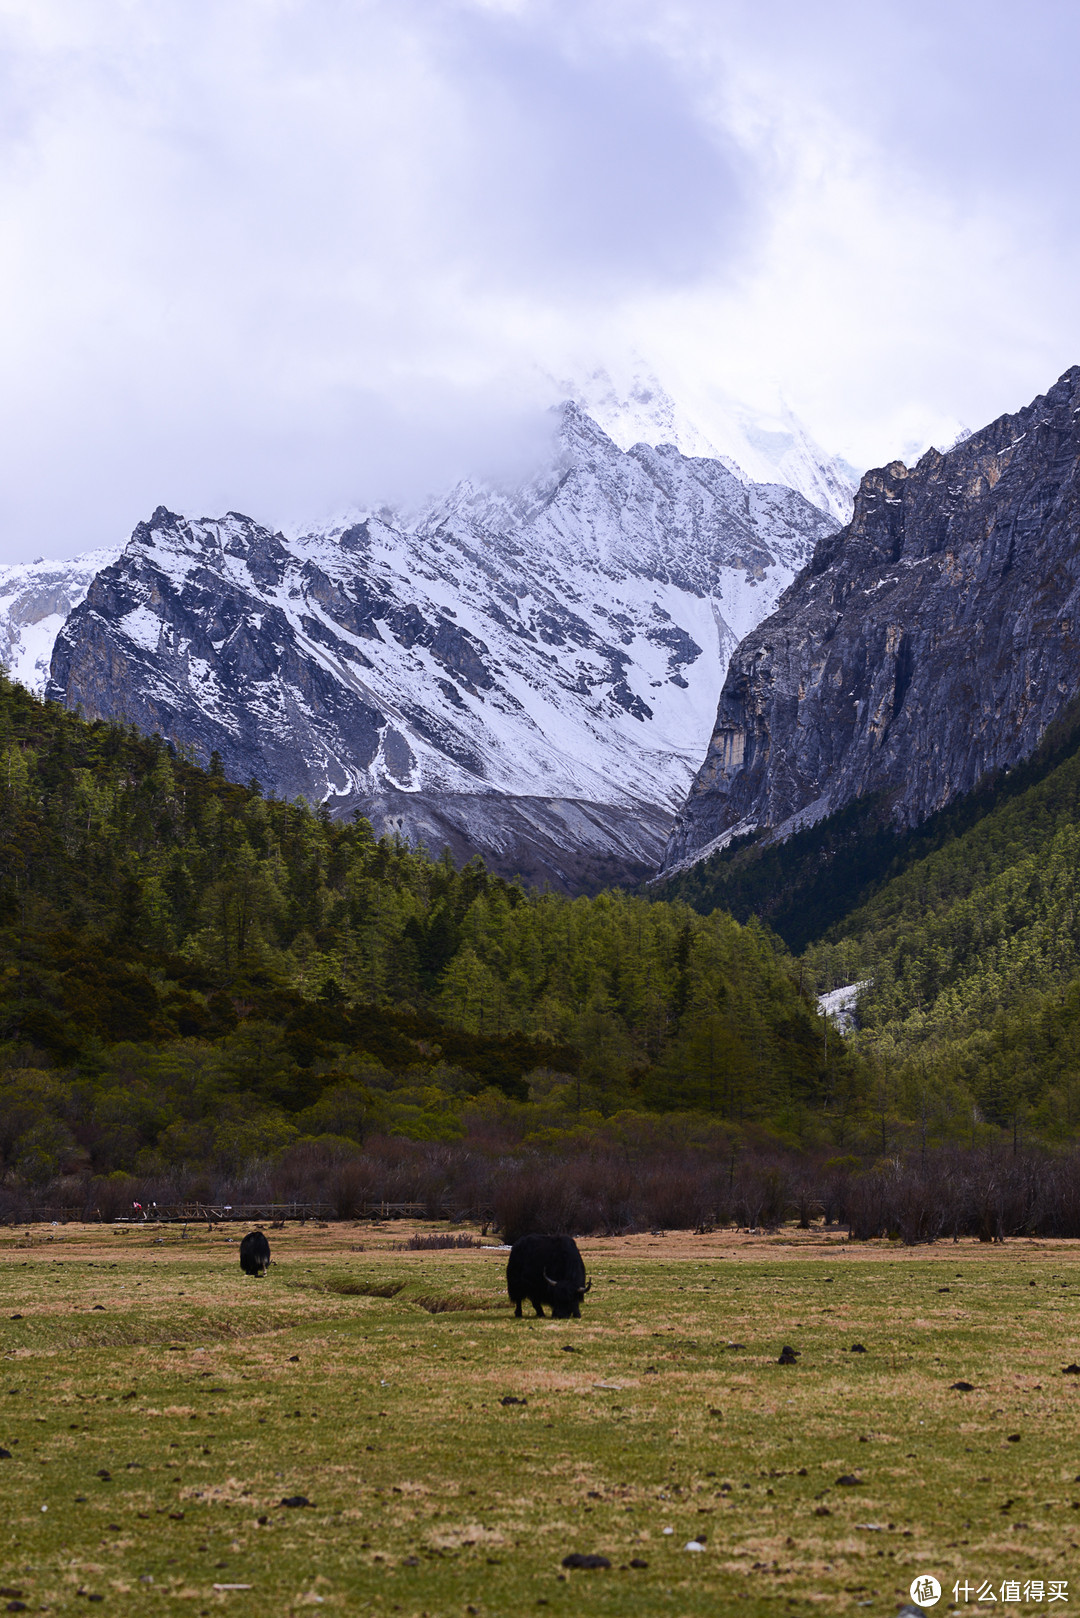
(287, 255)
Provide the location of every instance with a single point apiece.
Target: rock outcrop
(931, 641)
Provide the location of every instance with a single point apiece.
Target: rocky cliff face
(530, 674)
(929, 642)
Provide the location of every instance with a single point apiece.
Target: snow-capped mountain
(760, 446)
(35, 601)
(530, 674)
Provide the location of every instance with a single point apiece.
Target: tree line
(191, 971)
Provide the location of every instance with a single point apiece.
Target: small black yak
(255, 1254)
(547, 1269)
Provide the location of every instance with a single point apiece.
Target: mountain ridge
(555, 647)
(762, 446)
(927, 644)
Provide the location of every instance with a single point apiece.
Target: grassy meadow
(162, 1406)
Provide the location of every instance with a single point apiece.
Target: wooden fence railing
(258, 1213)
(220, 1213)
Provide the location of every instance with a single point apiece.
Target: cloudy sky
(287, 255)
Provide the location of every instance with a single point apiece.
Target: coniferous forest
(966, 933)
(194, 974)
(210, 992)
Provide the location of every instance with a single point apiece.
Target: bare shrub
(111, 1198)
(426, 1244)
(544, 1199)
(761, 1194)
(613, 1180)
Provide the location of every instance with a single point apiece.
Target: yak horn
(588, 1286)
(549, 1281)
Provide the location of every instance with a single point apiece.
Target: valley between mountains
(888, 803)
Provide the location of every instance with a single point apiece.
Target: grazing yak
(547, 1269)
(255, 1254)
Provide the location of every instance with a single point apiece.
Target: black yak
(547, 1269)
(255, 1254)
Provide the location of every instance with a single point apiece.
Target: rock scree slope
(929, 642)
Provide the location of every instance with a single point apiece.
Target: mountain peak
(762, 446)
(544, 657)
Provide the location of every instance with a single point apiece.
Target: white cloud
(279, 255)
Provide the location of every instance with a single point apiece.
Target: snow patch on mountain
(762, 446)
(36, 599)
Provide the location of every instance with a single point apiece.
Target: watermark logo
(1048, 1590)
(925, 1590)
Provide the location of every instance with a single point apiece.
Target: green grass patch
(162, 1407)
